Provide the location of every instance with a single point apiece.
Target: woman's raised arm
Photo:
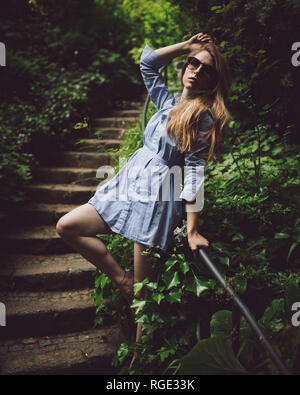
(173, 51)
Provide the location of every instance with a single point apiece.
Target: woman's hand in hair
(197, 241)
(197, 41)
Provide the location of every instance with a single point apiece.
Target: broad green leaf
(273, 317)
(212, 356)
(221, 324)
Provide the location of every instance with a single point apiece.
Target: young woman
(187, 131)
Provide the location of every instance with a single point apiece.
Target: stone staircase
(44, 284)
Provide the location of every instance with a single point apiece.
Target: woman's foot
(126, 288)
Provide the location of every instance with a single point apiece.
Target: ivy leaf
(196, 286)
(139, 304)
(170, 263)
(164, 353)
(152, 285)
(217, 246)
(158, 297)
(174, 296)
(184, 267)
(171, 279)
(175, 281)
(224, 260)
(238, 236)
(137, 286)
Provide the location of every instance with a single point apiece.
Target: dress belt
(156, 156)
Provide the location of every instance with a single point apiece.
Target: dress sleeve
(150, 62)
(195, 170)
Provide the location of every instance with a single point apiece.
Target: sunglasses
(194, 63)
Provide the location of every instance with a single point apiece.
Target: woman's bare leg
(79, 228)
(142, 269)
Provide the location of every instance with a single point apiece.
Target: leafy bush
(62, 66)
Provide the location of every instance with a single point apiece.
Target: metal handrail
(239, 307)
(246, 313)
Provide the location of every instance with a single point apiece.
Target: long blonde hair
(183, 124)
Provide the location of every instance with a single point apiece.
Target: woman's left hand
(196, 241)
(197, 41)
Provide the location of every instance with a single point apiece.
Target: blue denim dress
(144, 201)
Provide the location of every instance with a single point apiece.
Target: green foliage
(215, 355)
(156, 22)
(62, 66)
(14, 165)
(211, 356)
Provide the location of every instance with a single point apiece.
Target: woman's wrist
(191, 232)
(185, 47)
(170, 52)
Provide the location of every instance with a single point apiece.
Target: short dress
(145, 201)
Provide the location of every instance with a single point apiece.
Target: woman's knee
(65, 228)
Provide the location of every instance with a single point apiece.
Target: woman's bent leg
(79, 228)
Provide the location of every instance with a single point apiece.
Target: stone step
(37, 214)
(36, 240)
(48, 312)
(132, 113)
(59, 193)
(67, 175)
(113, 122)
(132, 105)
(85, 159)
(25, 272)
(87, 352)
(109, 133)
(92, 145)
(103, 133)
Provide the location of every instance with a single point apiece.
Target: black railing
(238, 308)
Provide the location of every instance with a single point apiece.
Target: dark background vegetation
(72, 60)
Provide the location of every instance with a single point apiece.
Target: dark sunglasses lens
(193, 62)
